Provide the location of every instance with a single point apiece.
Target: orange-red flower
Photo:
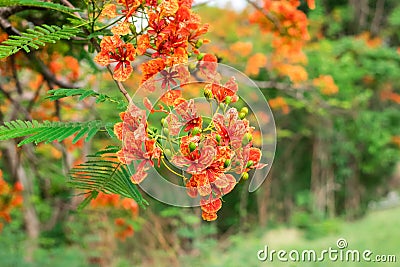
(151, 68)
(114, 50)
(187, 110)
(209, 207)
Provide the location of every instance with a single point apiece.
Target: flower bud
(166, 131)
(218, 138)
(242, 115)
(228, 99)
(249, 164)
(221, 105)
(208, 94)
(227, 163)
(167, 153)
(132, 27)
(245, 110)
(192, 146)
(247, 138)
(200, 56)
(192, 67)
(199, 43)
(245, 176)
(165, 123)
(162, 121)
(196, 130)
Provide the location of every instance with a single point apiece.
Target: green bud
(200, 56)
(245, 110)
(249, 164)
(192, 67)
(228, 100)
(196, 130)
(132, 27)
(192, 146)
(242, 115)
(227, 163)
(165, 123)
(162, 121)
(167, 153)
(245, 176)
(218, 138)
(221, 105)
(208, 94)
(199, 43)
(166, 131)
(248, 137)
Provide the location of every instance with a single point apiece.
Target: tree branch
(271, 17)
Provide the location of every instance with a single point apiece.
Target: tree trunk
(31, 220)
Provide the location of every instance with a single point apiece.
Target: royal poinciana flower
(172, 33)
(137, 146)
(212, 154)
(188, 112)
(114, 50)
(221, 92)
(231, 128)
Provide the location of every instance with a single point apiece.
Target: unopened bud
(192, 146)
(162, 121)
(167, 153)
(208, 94)
(199, 43)
(227, 163)
(249, 164)
(200, 56)
(248, 137)
(245, 176)
(218, 138)
(228, 99)
(242, 115)
(245, 110)
(166, 131)
(196, 130)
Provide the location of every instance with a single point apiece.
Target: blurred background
(334, 89)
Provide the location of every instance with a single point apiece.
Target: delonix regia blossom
(210, 142)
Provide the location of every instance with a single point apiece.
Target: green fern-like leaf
(36, 37)
(41, 4)
(50, 131)
(84, 93)
(103, 173)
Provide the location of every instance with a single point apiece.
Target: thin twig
(271, 17)
(16, 104)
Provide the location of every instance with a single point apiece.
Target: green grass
(378, 232)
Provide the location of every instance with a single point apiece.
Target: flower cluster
(125, 206)
(209, 151)
(288, 26)
(10, 197)
(169, 33)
